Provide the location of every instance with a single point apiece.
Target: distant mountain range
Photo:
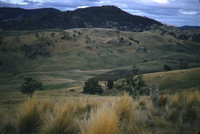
(9, 14)
(92, 17)
(189, 27)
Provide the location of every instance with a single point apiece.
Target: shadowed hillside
(92, 17)
(9, 14)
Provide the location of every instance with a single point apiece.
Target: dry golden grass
(185, 108)
(107, 115)
(102, 121)
(30, 118)
(61, 121)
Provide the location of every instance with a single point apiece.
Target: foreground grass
(180, 113)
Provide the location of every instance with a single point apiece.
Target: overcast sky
(171, 12)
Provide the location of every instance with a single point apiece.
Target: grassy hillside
(63, 59)
(169, 82)
(175, 80)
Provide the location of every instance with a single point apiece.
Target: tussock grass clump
(124, 109)
(185, 110)
(85, 105)
(102, 121)
(62, 121)
(9, 129)
(30, 118)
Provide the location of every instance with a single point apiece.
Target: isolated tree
(92, 87)
(30, 85)
(134, 84)
(110, 84)
(167, 68)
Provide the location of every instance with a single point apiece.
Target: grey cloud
(30, 2)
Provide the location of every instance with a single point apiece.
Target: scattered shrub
(121, 40)
(167, 68)
(52, 34)
(110, 84)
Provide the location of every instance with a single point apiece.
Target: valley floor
(64, 112)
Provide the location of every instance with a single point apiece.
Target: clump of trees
(30, 85)
(167, 68)
(92, 87)
(134, 84)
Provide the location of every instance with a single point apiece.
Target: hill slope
(96, 17)
(169, 82)
(175, 80)
(64, 58)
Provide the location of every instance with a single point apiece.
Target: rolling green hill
(67, 58)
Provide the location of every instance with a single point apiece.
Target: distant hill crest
(91, 17)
